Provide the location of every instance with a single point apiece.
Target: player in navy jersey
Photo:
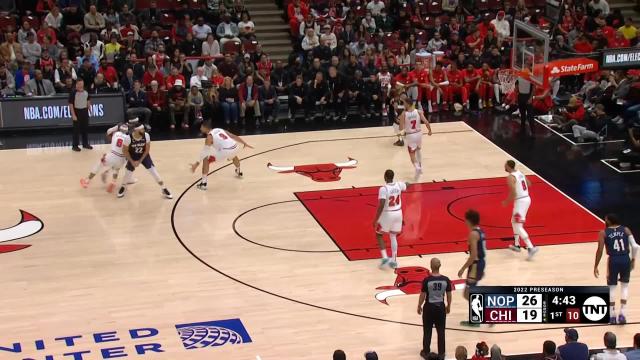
(618, 240)
(477, 252)
(136, 150)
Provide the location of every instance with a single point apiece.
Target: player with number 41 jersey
(388, 218)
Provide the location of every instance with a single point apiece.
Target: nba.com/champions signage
(139, 342)
(627, 58)
(53, 111)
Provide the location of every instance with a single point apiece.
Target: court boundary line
(606, 162)
(538, 175)
(300, 302)
(563, 135)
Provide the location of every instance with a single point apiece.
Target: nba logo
(475, 308)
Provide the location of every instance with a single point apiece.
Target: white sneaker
(516, 113)
(238, 172)
(384, 262)
(132, 181)
(202, 186)
(515, 248)
(532, 252)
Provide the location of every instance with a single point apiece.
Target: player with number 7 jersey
(219, 145)
(388, 218)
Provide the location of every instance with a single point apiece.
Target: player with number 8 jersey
(388, 218)
(219, 145)
(519, 194)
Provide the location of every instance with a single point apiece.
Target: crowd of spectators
(346, 54)
(572, 349)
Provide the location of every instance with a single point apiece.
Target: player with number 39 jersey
(388, 218)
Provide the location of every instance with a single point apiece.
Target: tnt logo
(475, 307)
(595, 308)
(213, 333)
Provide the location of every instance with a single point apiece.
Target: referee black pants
(433, 315)
(526, 113)
(81, 126)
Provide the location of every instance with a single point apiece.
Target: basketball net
(507, 79)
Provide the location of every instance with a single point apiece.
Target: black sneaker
(75, 148)
(121, 191)
(202, 186)
(399, 143)
(88, 147)
(238, 172)
(166, 193)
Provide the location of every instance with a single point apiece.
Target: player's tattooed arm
(473, 252)
(511, 182)
(599, 252)
(239, 139)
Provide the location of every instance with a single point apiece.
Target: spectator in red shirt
(456, 85)
(474, 40)
(44, 31)
(421, 76)
(572, 114)
(151, 74)
(175, 75)
(156, 100)
(471, 77)
(109, 72)
(582, 45)
(297, 12)
(619, 41)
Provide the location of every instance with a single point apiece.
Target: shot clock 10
(538, 304)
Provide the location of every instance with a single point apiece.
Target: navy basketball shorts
(475, 272)
(618, 269)
(146, 162)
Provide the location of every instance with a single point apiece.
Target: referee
(79, 104)
(431, 306)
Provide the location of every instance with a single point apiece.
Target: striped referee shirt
(436, 286)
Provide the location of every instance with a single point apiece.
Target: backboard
(530, 51)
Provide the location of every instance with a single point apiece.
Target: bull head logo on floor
(28, 225)
(317, 172)
(409, 282)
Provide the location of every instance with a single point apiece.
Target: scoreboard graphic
(538, 304)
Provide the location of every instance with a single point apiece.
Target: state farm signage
(574, 66)
(621, 58)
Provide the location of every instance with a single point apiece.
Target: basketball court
(277, 265)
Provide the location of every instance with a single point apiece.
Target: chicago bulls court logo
(317, 172)
(28, 225)
(409, 282)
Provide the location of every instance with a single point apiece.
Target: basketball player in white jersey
(113, 160)
(388, 218)
(218, 146)
(411, 121)
(519, 194)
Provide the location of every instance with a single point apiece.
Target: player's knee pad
(624, 291)
(612, 292)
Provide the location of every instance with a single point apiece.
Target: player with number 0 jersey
(519, 193)
(388, 218)
(218, 146)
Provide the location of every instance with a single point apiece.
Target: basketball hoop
(507, 79)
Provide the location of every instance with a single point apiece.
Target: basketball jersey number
(119, 143)
(524, 185)
(437, 286)
(139, 149)
(618, 245)
(394, 200)
(223, 136)
(413, 124)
